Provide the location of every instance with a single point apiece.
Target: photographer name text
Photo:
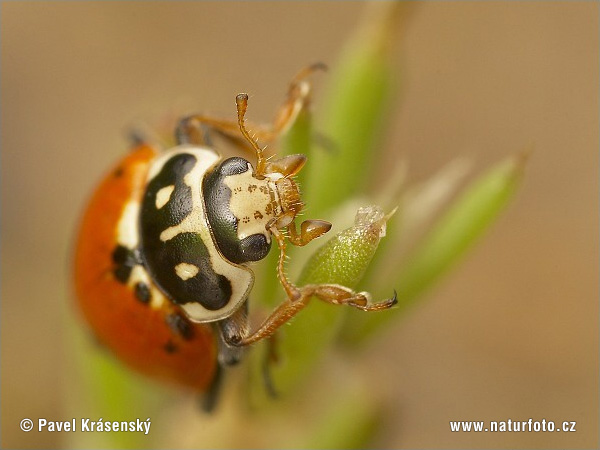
(89, 425)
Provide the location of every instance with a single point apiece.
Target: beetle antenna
(241, 101)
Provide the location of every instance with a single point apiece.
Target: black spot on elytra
(119, 172)
(142, 292)
(180, 325)
(124, 259)
(170, 347)
(122, 273)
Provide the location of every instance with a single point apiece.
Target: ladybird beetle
(161, 263)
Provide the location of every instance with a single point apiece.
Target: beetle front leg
(195, 129)
(297, 99)
(299, 297)
(232, 330)
(329, 293)
(298, 96)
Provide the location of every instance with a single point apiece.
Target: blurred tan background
(512, 334)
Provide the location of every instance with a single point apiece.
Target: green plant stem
(362, 89)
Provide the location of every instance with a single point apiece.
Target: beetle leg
(209, 399)
(329, 293)
(194, 129)
(282, 314)
(298, 96)
(299, 297)
(197, 128)
(290, 289)
(231, 330)
(270, 358)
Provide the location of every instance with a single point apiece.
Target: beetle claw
(394, 300)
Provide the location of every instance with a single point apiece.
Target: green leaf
(449, 239)
(417, 206)
(362, 89)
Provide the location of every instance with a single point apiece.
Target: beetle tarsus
(394, 300)
(269, 359)
(208, 400)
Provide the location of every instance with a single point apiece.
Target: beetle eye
(233, 166)
(255, 247)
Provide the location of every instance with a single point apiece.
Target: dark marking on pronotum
(224, 224)
(170, 347)
(180, 202)
(180, 325)
(208, 288)
(142, 292)
(124, 259)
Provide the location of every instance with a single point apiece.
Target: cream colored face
(253, 202)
